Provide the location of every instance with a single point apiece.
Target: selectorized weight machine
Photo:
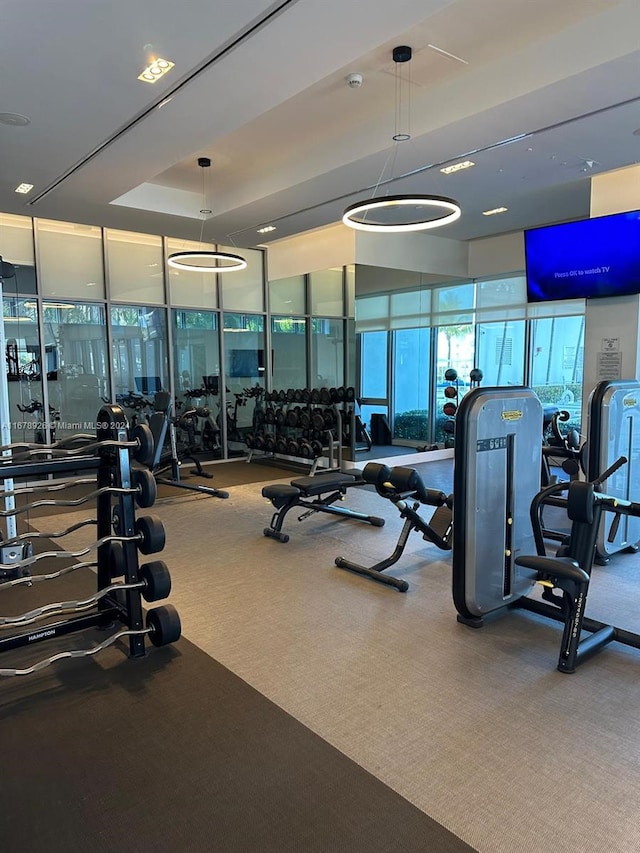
(500, 556)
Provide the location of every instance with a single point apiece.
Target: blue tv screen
(584, 259)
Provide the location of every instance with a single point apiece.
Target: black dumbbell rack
(120, 536)
(305, 424)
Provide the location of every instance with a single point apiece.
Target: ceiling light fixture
(410, 211)
(266, 229)
(24, 188)
(46, 305)
(205, 260)
(457, 167)
(494, 211)
(155, 70)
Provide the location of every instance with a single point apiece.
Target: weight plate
(164, 625)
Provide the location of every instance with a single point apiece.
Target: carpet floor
(174, 752)
(476, 728)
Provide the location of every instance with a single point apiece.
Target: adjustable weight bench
(314, 494)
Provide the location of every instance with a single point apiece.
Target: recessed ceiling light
(157, 69)
(24, 188)
(14, 119)
(494, 211)
(456, 167)
(266, 229)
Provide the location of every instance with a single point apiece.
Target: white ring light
(180, 261)
(436, 201)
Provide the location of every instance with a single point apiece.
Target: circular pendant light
(205, 260)
(396, 213)
(410, 211)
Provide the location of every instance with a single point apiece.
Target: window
(557, 353)
(411, 383)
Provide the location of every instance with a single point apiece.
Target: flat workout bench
(314, 494)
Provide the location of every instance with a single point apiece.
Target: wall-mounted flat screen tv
(584, 259)
(243, 363)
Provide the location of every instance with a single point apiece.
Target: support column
(612, 325)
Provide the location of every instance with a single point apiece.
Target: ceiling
(540, 96)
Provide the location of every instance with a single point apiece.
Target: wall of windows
(95, 314)
(487, 325)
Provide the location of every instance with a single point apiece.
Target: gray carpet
(173, 752)
(475, 727)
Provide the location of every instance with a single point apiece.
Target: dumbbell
(304, 418)
(449, 409)
(329, 418)
(281, 444)
(317, 419)
(292, 417)
(293, 448)
(451, 392)
(304, 449)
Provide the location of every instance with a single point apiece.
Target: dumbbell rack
(120, 536)
(306, 424)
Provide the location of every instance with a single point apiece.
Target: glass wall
(557, 354)
(327, 353)
(139, 351)
(88, 314)
(24, 370)
(486, 325)
(70, 260)
(244, 361)
(136, 269)
(289, 341)
(411, 384)
(77, 366)
(374, 375)
(196, 374)
(499, 352)
(326, 291)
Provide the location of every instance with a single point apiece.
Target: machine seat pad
(310, 486)
(280, 495)
(564, 567)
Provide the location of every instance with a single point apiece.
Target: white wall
(333, 246)
(424, 253)
(618, 318)
(496, 256)
(337, 245)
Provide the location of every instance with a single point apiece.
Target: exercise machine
(497, 468)
(167, 456)
(314, 494)
(613, 431)
(565, 577)
(405, 489)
